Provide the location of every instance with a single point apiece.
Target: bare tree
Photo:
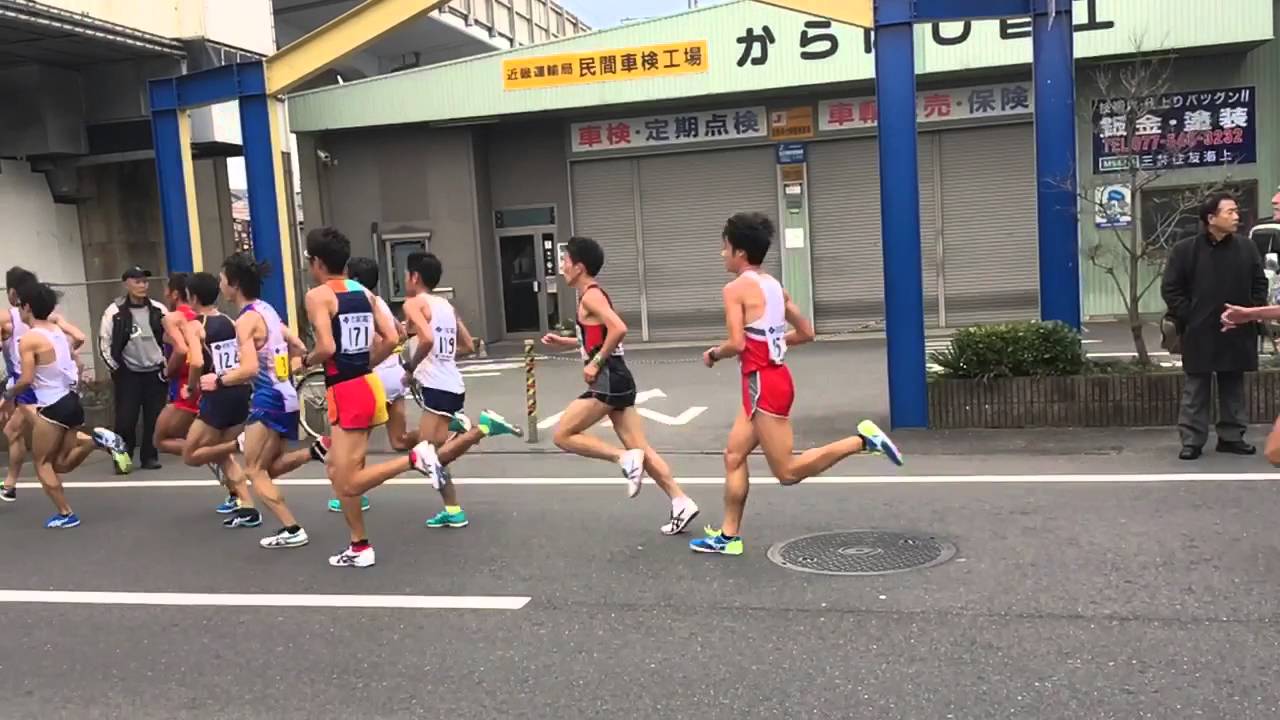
(1132, 92)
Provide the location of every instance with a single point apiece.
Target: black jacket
(1200, 278)
(117, 327)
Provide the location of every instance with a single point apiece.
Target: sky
(601, 14)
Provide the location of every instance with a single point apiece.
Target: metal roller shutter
(989, 225)
(604, 210)
(685, 200)
(844, 221)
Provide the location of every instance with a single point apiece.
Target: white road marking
(486, 365)
(480, 374)
(763, 480)
(643, 396)
(399, 602)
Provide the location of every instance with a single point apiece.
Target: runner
(365, 271)
(49, 369)
(265, 346)
(223, 410)
(21, 419)
(611, 391)
(757, 312)
(441, 336)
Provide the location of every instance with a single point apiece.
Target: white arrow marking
(682, 419)
(641, 397)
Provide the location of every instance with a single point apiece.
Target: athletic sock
(727, 538)
(453, 509)
(293, 529)
(360, 545)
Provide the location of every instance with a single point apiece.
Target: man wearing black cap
(129, 341)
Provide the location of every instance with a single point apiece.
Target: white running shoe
(681, 516)
(240, 442)
(423, 458)
(351, 558)
(632, 464)
(285, 539)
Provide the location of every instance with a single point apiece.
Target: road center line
(397, 602)
(715, 480)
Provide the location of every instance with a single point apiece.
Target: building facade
(646, 137)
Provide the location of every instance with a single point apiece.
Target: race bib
(777, 343)
(226, 355)
(281, 353)
(357, 333)
(446, 344)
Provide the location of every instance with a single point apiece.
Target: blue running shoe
(62, 522)
(878, 442)
(228, 506)
(715, 542)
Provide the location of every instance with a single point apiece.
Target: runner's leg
(47, 441)
(75, 449)
(737, 482)
(218, 448)
(398, 435)
(15, 431)
(261, 448)
(571, 435)
(351, 479)
(777, 441)
(1272, 449)
(629, 428)
(171, 429)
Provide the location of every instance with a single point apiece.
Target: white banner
(672, 129)
(932, 106)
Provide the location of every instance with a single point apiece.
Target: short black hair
(364, 271)
(752, 233)
(203, 287)
(428, 268)
(331, 247)
(245, 274)
(18, 276)
(1212, 203)
(178, 284)
(40, 297)
(586, 251)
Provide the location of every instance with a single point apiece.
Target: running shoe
(62, 522)
(285, 539)
(878, 442)
(493, 425)
(350, 557)
(320, 448)
(444, 518)
(335, 506)
(423, 458)
(216, 469)
(715, 542)
(632, 464)
(459, 423)
(9, 494)
(228, 506)
(244, 517)
(111, 442)
(680, 518)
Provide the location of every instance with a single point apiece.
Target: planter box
(1082, 401)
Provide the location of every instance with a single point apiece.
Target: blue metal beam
(166, 133)
(264, 208)
(1056, 202)
(943, 10)
(900, 214)
(206, 87)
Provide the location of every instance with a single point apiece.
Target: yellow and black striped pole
(530, 393)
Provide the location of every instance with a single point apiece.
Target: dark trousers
(137, 393)
(1193, 416)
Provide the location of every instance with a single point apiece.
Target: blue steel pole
(900, 214)
(167, 139)
(255, 127)
(1056, 179)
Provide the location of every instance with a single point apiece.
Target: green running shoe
(716, 543)
(494, 424)
(877, 442)
(444, 518)
(459, 423)
(335, 506)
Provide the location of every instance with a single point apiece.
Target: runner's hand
(591, 372)
(709, 357)
(209, 383)
(552, 340)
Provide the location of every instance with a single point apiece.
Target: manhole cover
(861, 552)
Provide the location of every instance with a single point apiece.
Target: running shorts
(181, 397)
(226, 408)
(357, 404)
(284, 424)
(442, 402)
(392, 378)
(769, 390)
(28, 396)
(66, 412)
(614, 386)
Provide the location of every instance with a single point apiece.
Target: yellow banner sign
(852, 12)
(650, 61)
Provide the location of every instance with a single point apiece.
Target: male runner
(265, 346)
(441, 336)
(21, 420)
(611, 391)
(212, 345)
(757, 311)
(49, 369)
(365, 271)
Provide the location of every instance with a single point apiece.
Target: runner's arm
(27, 349)
(598, 307)
(387, 332)
(735, 322)
(6, 326)
(247, 326)
(466, 343)
(192, 333)
(318, 314)
(802, 330)
(177, 338)
(73, 333)
(297, 348)
(418, 315)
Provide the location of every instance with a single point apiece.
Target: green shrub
(1022, 349)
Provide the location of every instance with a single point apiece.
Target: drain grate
(861, 552)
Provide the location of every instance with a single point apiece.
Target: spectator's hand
(209, 382)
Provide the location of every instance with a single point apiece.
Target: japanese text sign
(792, 123)
(1184, 129)
(580, 68)
(674, 129)
(932, 106)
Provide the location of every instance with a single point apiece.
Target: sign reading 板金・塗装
(580, 68)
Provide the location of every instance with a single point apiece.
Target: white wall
(244, 24)
(43, 237)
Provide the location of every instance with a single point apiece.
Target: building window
(1170, 214)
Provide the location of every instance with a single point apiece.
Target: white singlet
(55, 380)
(390, 371)
(12, 356)
(440, 371)
(771, 327)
